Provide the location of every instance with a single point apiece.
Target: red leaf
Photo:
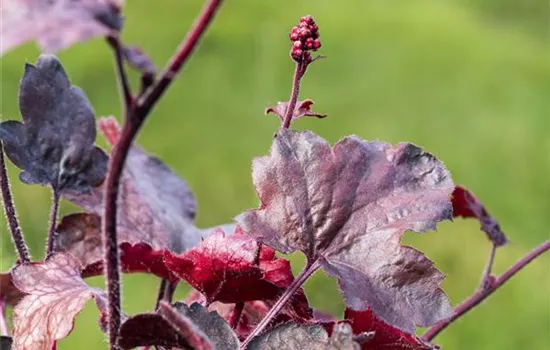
(346, 208)
(303, 109)
(80, 235)
(155, 205)
(465, 204)
(56, 294)
(57, 24)
(223, 268)
(386, 337)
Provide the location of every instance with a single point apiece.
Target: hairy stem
(298, 74)
(123, 82)
(53, 222)
(147, 102)
(166, 292)
(9, 209)
(308, 270)
(482, 293)
(236, 315)
(134, 117)
(486, 280)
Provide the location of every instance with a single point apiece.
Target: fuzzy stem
(147, 102)
(482, 293)
(308, 270)
(9, 209)
(114, 42)
(4, 330)
(166, 292)
(236, 315)
(53, 222)
(486, 280)
(298, 74)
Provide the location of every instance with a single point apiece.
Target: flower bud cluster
(305, 38)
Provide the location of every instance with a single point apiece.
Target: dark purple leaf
(57, 24)
(138, 59)
(155, 207)
(9, 294)
(55, 143)
(303, 109)
(346, 208)
(465, 204)
(80, 235)
(56, 294)
(179, 326)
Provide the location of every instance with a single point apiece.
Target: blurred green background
(467, 80)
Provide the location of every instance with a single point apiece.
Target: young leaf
(223, 268)
(385, 336)
(80, 235)
(290, 336)
(465, 204)
(302, 109)
(55, 143)
(161, 329)
(57, 24)
(155, 205)
(346, 209)
(56, 294)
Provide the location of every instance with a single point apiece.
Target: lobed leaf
(56, 294)
(290, 336)
(465, 204)
(55, 143)
(346, 209)
(303, 109)
(57, 24)
(155, 207)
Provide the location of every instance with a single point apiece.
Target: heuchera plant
(345, 207)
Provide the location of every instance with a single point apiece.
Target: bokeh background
(468, 80)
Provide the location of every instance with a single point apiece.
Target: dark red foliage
(465, 204)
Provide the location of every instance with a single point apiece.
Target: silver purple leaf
(292, 336)
(346, 208)
(54, 145)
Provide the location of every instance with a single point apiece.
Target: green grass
(468, 83)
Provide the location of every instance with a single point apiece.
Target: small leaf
(465, 204)
(80, 235)
(155, 207)
(290, 336)
(57, 24)
(138, 59)
(56, 294)
(346, 209)
(303, 109)
(385, 337)
(55, 143)
(223, 268)
(160, 329)
(5, 342)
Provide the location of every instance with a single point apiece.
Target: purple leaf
(55, 143)
(346, 208)
(465, 204)
(303, 109)
(57, 24)
(155, 205)
(291, 336)
(138, 59)
(56, 294)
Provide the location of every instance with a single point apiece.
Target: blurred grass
(469, 81)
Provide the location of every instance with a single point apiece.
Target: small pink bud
(297, 44)
(316, 44)
(294, 36)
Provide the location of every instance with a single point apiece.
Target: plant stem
(9, 209)
(298, 74)
(147, 102)
(166, 292)
(308, 270)
(134, 117)
(3, 321)
(482, 293)
(53, 222)
(487, 279)
(236, 315)
(114, 42)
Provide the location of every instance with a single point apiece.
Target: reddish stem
(236, 315)
(9, 209)
(308, 270)
(134, 117)
(298, 74)
(487, 278)
(114, 42)
(147, 102)
(53, 222)
(482, 293)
